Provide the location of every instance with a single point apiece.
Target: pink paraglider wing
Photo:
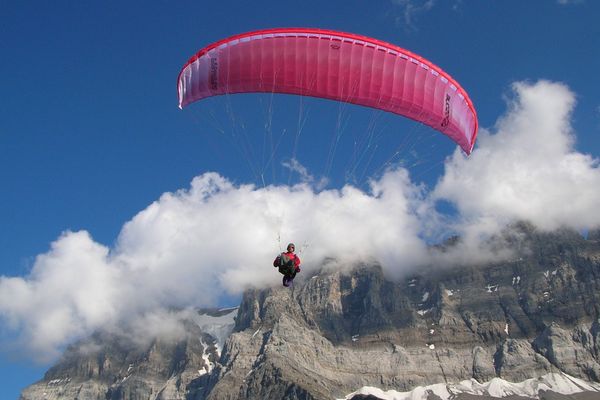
(333, 65)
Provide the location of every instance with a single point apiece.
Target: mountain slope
(111, 366)
(336, 332)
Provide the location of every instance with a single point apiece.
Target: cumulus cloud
(71, 289)
(526, 168)
(195, 246)
(191, 247)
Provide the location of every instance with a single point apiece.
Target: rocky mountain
(530, 319)
(114, 366)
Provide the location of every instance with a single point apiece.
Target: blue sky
(91, 137)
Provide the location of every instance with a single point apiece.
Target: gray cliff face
(338, 331)
(111, 367)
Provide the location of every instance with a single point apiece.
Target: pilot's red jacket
(291, 256)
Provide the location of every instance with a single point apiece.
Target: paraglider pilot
(288, 264)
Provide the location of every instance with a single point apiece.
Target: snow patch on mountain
(219, 325)
(531, 388)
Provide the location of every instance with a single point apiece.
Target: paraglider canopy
(334, 65)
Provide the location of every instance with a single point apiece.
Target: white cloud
(410, 9)
(569, 2)
(192, 247)
(305, 177)
(407, 12)
(73, 288)
(526, 168)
